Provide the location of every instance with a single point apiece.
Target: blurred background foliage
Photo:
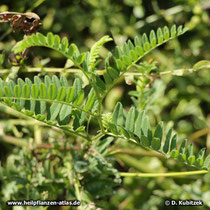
(182, 101)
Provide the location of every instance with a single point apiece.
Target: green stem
(50, 70)
(35, 5)
(171, 174)
(98, 136)
(8, 110)
(122, 137)
(6, 34)
(49, 101)
(22, 122)
(99, 72)
(73, 133)
(100, 122)
(77, 190)
(136, 153)
(12, 140)
(98, 98)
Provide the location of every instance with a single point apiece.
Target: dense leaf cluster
(67, 108)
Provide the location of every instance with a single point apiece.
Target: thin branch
(22, 122)
(49, 101)
(69, 131)
(139, 153)
(199, 133)
(171, 174)
(12, 140)
(177, 72)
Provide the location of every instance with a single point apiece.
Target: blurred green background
(182, 102)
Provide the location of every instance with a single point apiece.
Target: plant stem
(199, 133)
(171, 174)
(20, 122)
(49, 101)
(77, 192)
(99, 71)
(6, 109)
(12, 140)
(139, 153)
(98, 136)
(73, 133)
(35, 5)
(97, 96)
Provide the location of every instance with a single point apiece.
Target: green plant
(72, 109)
